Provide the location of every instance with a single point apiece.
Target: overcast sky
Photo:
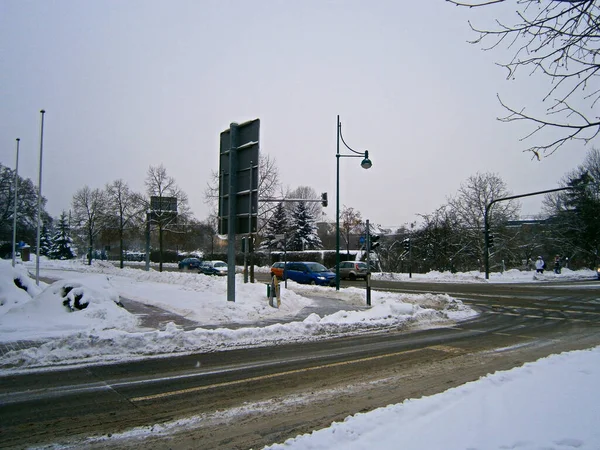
(129, 84)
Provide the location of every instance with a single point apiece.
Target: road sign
(245, 177)
(163, 209)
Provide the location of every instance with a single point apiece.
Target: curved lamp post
(16, 187)
(365, 164)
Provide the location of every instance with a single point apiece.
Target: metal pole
(285, 258)
(251, 249)
(486, 242)
(39, 205)
(232, 212)
(148, 213)
(14, 242)
(409, 257)
(221, 204)
(337, 210)
(247, 249)
(368, 279)
(486, 225)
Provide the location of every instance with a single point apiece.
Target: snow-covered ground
(549, 404)
(103, 331)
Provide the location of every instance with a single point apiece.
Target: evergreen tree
(277, 224)
(62, 244)
(575, 224)
(303, 230)
(27, 201)
(45, 241)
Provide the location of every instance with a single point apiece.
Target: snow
(106, 332)
(549, 404)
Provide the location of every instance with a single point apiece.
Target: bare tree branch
(560, 40)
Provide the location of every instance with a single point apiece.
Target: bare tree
(306, 193)
(559, 39)
(126, 209)
(89, 213)
(468, 207)
(160, 184)
(350, 222)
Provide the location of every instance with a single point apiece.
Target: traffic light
(373, 240)
(324, 199)
(490, 240)
(406, 243)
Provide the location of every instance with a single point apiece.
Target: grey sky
(128, 84)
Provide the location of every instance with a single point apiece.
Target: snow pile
(549, 404)
(508, 276)
(16, 287)
(65, 306)
(78, 320)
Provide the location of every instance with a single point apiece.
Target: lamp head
(366, 163)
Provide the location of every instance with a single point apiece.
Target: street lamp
(365, 164)
(16, 187)
(39, 204)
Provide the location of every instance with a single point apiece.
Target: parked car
(309, 273)
(190, 263)
(213, 268)
(353, 270)
(277, 270)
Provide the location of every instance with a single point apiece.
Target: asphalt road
(517, 323)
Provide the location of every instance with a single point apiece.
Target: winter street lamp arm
(365, 164)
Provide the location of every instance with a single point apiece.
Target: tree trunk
(160, 248)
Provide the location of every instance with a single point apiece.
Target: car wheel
(352, 277)
(312, 282)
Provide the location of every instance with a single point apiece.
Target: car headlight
(320, 278)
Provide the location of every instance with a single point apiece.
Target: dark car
(190, 263)
(353, 270)
(309, 273)
(213, 268)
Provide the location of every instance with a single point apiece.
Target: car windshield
(361, 265)
(316, 267)
(220, 264)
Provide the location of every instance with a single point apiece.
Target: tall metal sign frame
(238, 188)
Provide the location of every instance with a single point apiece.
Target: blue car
(189, 264)
(213, 268)
(309, 273)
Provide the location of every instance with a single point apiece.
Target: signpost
(163, 210)
(238, 177)
(238, 188)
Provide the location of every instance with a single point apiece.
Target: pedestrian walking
(557, 264)
(539, 265)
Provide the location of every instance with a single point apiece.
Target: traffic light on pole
(324, 199)
(374, 241)
(490, 240)
(406, 243)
